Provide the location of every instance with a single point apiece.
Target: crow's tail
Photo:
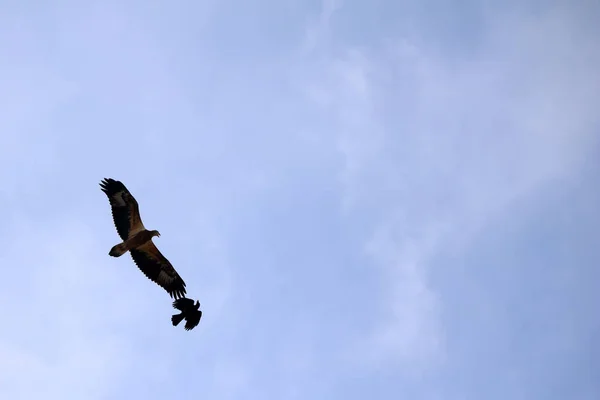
(177, 318)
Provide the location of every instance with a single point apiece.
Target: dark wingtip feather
(178, 290)
(111, 186)
(177, 294)
(103, 185)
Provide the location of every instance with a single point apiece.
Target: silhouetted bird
(190, 311)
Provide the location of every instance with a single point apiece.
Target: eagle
(189, 310)
(138, 240)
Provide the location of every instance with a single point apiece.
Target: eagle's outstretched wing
(193, 320)
(124, 207)
(158, 269)
(183, 304)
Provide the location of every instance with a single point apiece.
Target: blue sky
(386, 200)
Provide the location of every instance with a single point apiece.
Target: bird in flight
(190, 311)
(137, 240)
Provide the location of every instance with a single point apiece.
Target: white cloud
(433, 149)
(318, 31)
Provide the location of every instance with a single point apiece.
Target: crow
(189, 311)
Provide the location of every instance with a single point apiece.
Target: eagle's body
(190, 311)
(138, 240)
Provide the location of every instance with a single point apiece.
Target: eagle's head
(197, 305)
(155, 233)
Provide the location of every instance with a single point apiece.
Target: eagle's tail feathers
(118, 250)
